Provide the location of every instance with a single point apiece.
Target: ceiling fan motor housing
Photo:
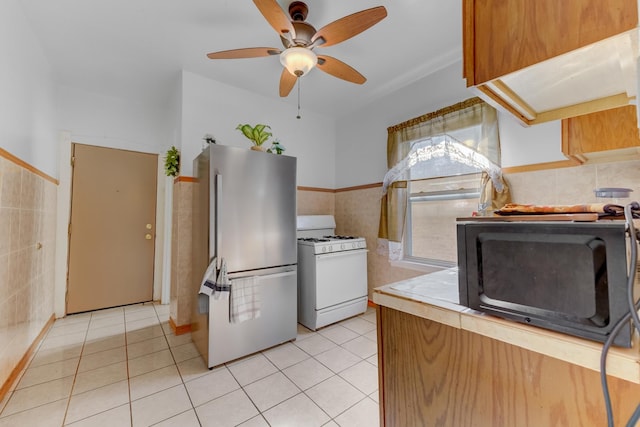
(298, 11)
(304, 32)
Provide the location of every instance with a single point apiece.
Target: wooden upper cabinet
(509, 35)
(515, 55)
(603, 136)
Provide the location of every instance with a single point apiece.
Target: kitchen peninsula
(442, 364)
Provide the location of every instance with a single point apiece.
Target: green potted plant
(172, 162)
(257, 134)
(276, 147)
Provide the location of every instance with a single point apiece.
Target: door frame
(63, 217)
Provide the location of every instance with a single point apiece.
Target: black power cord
(632, 314)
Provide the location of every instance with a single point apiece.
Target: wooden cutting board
(577, 217)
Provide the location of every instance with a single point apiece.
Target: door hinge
(69, 229)
(73, 161)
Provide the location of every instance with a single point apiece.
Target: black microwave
(569, 277)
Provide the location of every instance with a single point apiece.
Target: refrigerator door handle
(218, 221)
(274, 275)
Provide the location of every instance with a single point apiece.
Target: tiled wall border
(179, 330)
(339, 190)
(27, 166)
(542, 166)
(359, 187)
(47, 319)
(319, 190)
(185, 179)
(300, 188)
(25, 358)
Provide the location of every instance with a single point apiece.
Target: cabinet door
(605, 135)
(502, 36)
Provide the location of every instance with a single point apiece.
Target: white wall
(106, 121)
(361, 156)
(361, 151)
(215, 108)
(95, 119)
(528, 145)
(26, 93)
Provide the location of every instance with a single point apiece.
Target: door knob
(149, 226)
(147, 236)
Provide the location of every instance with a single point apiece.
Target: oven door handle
(341, 253)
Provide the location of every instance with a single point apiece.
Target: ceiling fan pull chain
(298, 116)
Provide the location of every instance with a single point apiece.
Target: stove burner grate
(313, 239)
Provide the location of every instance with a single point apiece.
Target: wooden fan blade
(287, 82)
(249, 52)
(339, 69)
(349, 26)
(275, 16)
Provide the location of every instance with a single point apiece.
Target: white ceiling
(136, 48)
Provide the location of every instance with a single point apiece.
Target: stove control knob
(354, 245)
(342, 246)
(324, 249)
(329, 248)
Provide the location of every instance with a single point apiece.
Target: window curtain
(402, 138)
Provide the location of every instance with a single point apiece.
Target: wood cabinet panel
(432, 374)
(602, 135)
(420, 375)
(502, 36)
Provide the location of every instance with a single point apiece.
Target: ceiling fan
(299, 38)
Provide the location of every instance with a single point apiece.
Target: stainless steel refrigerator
(244, 212)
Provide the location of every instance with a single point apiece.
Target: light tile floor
(124, 367)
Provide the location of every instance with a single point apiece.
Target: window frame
(461, 194)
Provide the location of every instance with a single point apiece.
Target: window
(434, 205)
(437, 163)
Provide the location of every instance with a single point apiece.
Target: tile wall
(27, 252)
(575, 184)
(320, 202)
(316, 202)
(357, 212)
(181, 273)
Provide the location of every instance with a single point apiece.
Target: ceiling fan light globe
(298, 60)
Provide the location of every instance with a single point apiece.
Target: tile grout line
(128, 377)
(19, 379)
(78, 369)
(244, 391)
(226, 365)
(75, 375)
(184, 385)
(126, 358)
(334, 374)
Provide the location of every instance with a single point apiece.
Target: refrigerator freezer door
(277, 322)
(254, 208)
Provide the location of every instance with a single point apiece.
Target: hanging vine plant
(172, 162)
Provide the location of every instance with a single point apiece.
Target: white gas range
(332, 273)
(329, 244)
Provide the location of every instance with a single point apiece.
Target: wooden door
(112, 229)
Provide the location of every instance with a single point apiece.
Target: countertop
(434, 297)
